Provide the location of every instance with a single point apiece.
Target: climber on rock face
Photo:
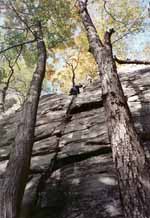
(75, 90)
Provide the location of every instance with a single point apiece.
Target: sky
(138, 41)
(135, 42)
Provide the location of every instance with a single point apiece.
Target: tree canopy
(64, 36)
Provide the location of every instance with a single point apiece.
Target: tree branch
(73, 66)
(11, 73)
(111, 15)
(17, 45)
(130, 29)
(20, 18)
(121, 37)
(11, 66)
(12, 28)
(107, 37)
(128, 61)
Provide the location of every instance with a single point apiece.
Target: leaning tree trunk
(12, 189)
(128, 153)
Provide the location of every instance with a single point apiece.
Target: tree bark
(73, 78)
(128, 153)
(2, 100)
(13, 185)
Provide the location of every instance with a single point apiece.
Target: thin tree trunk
(73, 78)
(12, 189)
(3, 94)
(128, 153)
(2, 101)
(3, 91)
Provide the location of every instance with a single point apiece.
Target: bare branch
(77, 60)
(11, 73)
(11, 66)
(20, 18)
(73, 67)
(129, 30)
(128, 61)
(18, 55)
(121, 37)
(12, 28)
(111, 15)
(17, 45)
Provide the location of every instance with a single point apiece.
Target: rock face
(72, 173)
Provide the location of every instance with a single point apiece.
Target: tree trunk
(128, 153)
(3, 93)
(73, 78)
(2, 101)
(13, 185)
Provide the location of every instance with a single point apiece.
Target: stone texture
(82, 181)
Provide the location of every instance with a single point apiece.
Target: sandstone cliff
(72, 173)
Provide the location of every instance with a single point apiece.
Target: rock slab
(82, 182)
